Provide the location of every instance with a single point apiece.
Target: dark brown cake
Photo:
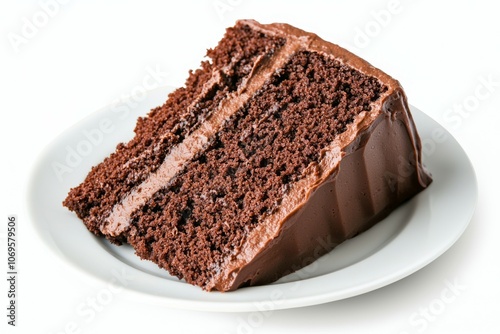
(280, 142)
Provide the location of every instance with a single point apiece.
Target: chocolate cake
(279, 147)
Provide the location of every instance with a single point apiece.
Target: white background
(86, 54)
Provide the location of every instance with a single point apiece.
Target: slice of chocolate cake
(280, 143)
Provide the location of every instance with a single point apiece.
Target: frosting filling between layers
(186, 108)
(119, 218)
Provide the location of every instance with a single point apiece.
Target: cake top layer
(310, 41)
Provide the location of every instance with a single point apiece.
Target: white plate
(410, 238)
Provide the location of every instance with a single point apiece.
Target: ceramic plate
(410, 238)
